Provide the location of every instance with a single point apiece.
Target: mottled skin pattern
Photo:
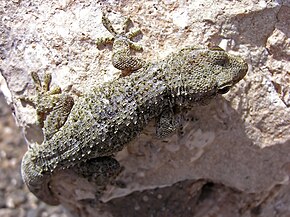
(102, 121)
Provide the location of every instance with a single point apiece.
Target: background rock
(233, 157)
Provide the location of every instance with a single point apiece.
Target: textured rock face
(234, 150)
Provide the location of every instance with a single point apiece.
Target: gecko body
(102, 121)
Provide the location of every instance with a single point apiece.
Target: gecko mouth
(224, 90)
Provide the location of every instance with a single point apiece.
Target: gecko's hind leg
(100, 171)
(52, 106)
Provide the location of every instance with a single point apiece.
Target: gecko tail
(36, 181)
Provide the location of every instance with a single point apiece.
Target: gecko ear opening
(224, 90)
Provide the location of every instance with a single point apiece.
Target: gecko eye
(224, 90)
(217, 48)
(221, 60)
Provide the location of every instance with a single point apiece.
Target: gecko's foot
(168, 122)
(52, 106)
(101, 171)
(122, 45)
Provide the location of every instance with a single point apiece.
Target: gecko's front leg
(122, 45)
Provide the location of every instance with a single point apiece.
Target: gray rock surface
(234, 150)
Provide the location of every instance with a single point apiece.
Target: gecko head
(207, 71)
(228, 69)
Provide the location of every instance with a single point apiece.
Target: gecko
(100, 122)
